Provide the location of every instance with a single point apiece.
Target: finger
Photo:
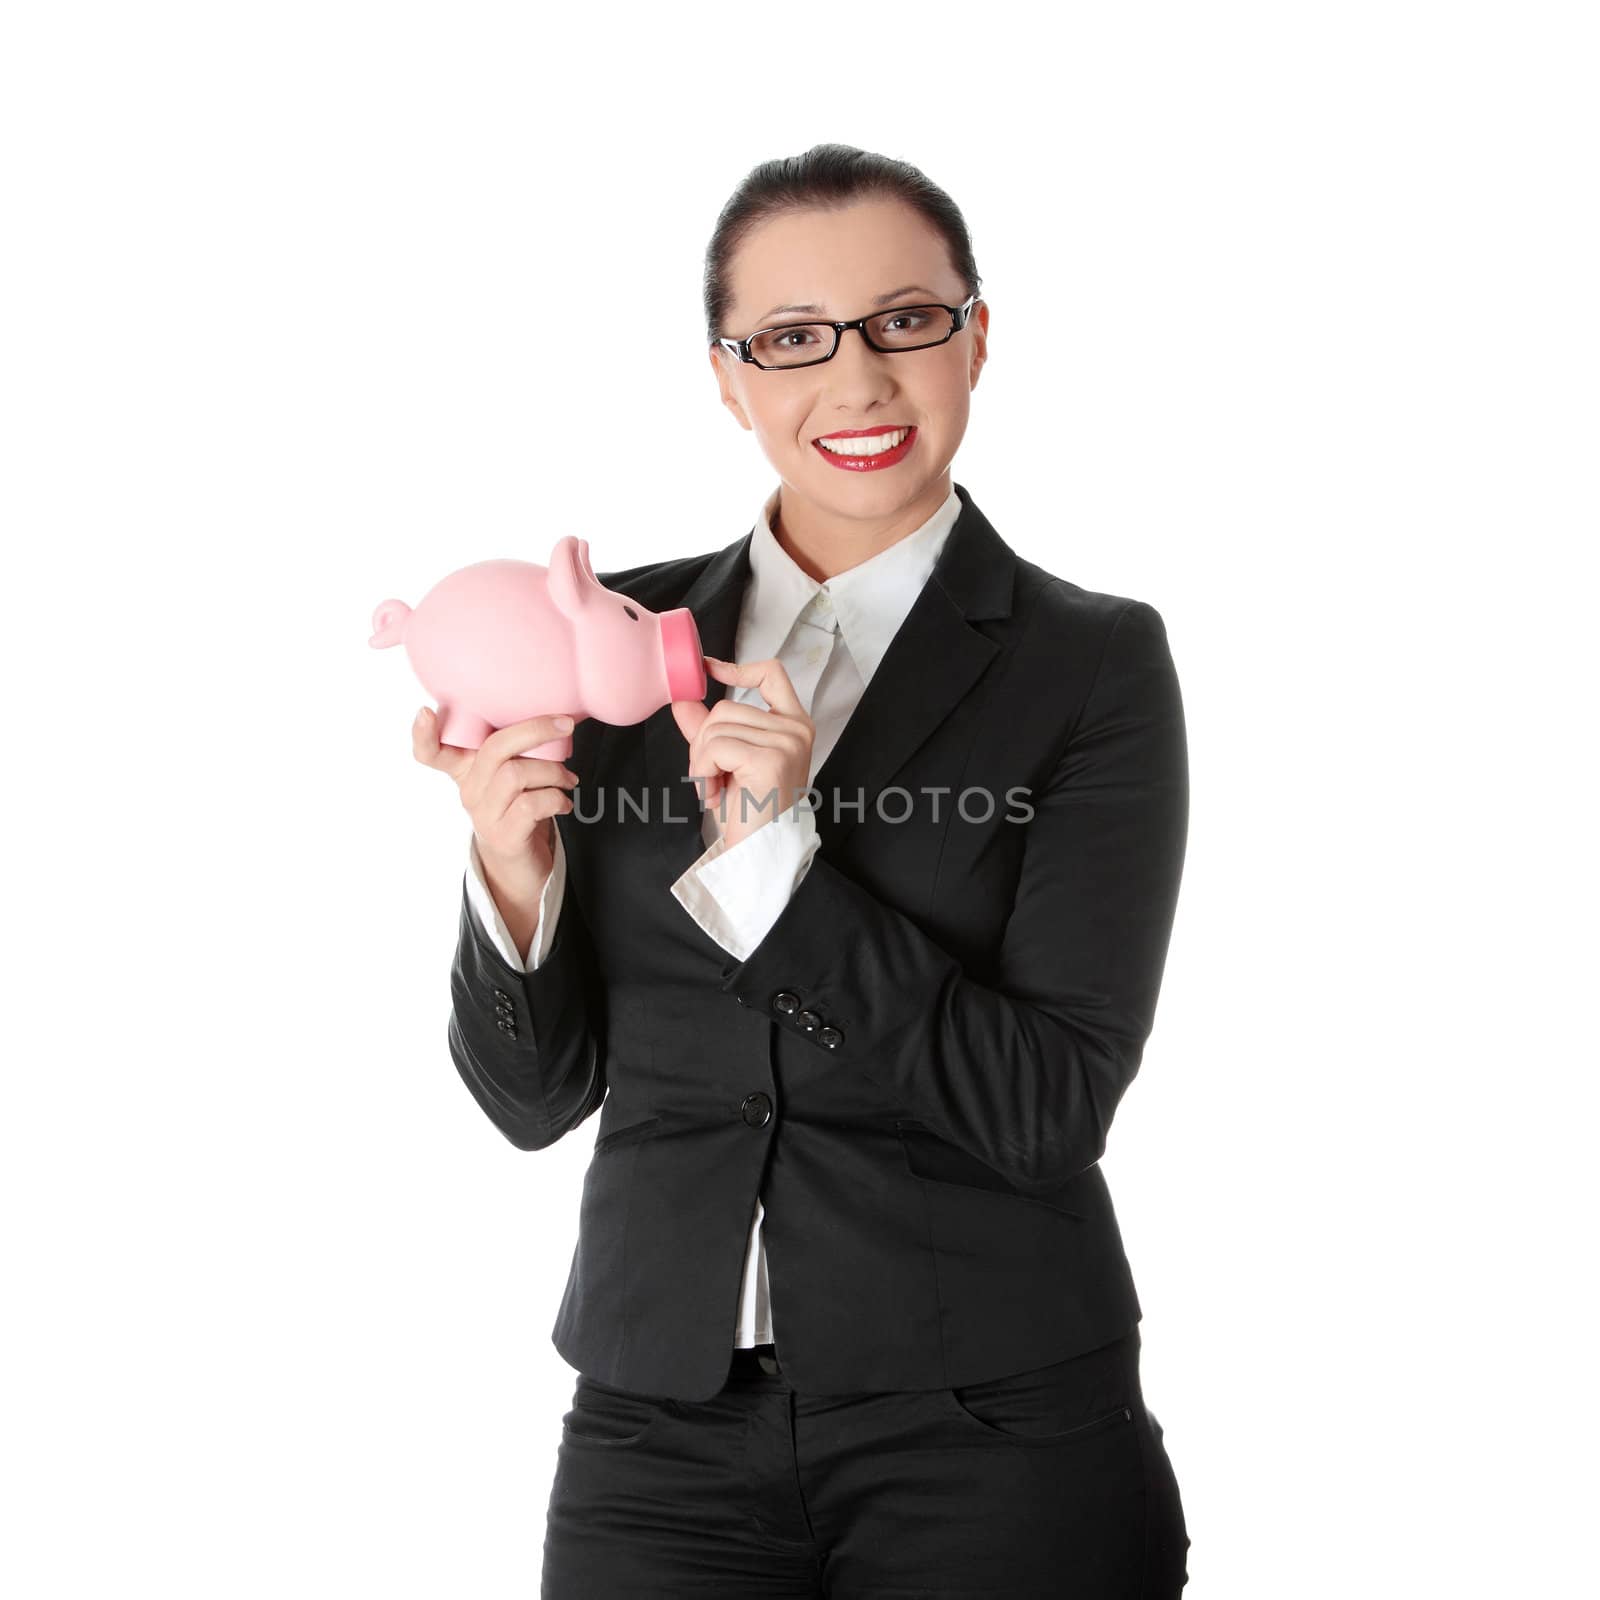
(734, 763)
(522, 821)
(518, 736)
(725, 712)
(513, 778)
(755, 722)
(770, 733)
(756, 729)
(532, 806)
(690, 715)
(726, 743)
(504, 745)
(706, 776)
(767, 676)
(739, 759)
(426, 748)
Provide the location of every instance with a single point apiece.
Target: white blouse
(830, 638)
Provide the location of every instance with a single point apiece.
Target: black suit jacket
(917, 1067)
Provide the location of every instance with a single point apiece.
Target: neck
(822, 543)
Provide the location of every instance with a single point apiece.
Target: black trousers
(1054, 1482)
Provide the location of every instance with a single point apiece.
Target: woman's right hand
(511, 799)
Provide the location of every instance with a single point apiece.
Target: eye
(631, 612)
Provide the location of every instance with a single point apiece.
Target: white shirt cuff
(736, 892)
(494, 925)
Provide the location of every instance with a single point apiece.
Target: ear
(571, 581)
(722, 364)
(583, 561)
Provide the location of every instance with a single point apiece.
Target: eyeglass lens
(800, 343)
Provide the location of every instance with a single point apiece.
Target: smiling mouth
(865, 441)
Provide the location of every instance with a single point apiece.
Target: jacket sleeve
(1025, 1072)
(529, 1044)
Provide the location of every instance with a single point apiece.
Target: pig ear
(571, 583)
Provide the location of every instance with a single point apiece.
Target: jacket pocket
(936, 1160)
(627, 1135)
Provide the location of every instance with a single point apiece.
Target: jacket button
(785, 1002)
(830, 1036)
(507, 1027)
(756, 1109)
(500, 994)
(807, 1020)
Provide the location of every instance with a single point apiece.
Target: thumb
(690, 715)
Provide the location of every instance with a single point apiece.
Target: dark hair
(826, 177)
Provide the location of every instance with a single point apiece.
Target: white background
(1293, 334)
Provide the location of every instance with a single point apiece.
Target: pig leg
(462, 728)
(467, 732)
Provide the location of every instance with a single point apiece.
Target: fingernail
(564, 724)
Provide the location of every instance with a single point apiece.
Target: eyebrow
(882, 300)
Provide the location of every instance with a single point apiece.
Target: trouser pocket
(1056, 1404)
(609, 1417)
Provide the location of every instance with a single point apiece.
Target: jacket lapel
(932, 662)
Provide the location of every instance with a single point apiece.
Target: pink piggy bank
(501, 641)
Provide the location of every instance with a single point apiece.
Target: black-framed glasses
(806, 344)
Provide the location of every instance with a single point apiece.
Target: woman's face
(840, 262)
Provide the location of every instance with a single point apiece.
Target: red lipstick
(885, 458)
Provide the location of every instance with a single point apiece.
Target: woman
(849, 1305)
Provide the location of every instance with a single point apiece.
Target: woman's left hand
(752, 764)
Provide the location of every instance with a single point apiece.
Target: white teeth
(875, 446)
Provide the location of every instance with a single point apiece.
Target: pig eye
(631, 612)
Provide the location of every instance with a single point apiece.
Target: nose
(858, 375)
